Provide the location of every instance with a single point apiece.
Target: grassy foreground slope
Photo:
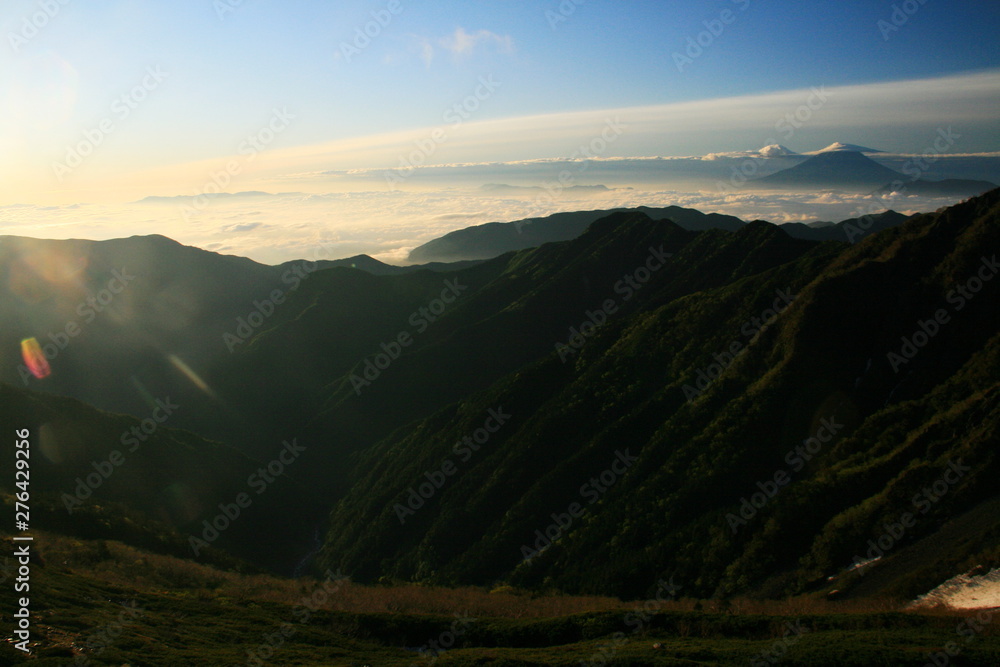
(106, 603)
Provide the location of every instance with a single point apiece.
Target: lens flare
(39, 273)
(189, 373)
(34, 358)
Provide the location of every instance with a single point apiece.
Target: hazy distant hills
(950, 187)
(850, 230)
(375, 267)
(495, 238)
(504, 188)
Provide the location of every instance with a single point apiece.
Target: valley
(751, 416)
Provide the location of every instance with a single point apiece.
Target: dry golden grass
(124, 566)
(805, 606)
(121, 565)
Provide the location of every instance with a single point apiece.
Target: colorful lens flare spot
(34, 358)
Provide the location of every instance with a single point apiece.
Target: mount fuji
(834, 168)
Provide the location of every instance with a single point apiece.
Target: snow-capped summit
(775, 150)
(840, 147)
(772, 150)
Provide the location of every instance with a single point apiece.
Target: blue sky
(228, 65)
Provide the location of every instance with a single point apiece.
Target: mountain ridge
(805, 371)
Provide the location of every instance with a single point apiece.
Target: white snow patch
(966, 591)
(772, 150)
(863, 564)
(776, 150)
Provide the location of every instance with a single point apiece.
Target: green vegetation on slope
(821, 370)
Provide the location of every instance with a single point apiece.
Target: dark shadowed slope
(891, 400)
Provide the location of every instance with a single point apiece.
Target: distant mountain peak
(851, 169)
(776, 150)
(840, 147)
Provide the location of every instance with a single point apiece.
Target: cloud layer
(387, 224)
